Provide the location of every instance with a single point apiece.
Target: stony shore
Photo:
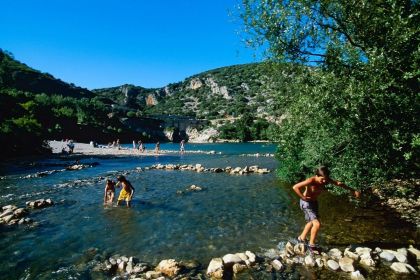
(352, 263)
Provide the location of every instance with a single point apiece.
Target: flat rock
(400, 267)
(387, 256)
(242, 256)
(356, 275)
(153, 274)
(319, 262)
(351, 255)
(399, 256)
(363, 250)
(333, 265)
(335, 254)
(277, 265)
(346, 264)
(231, 259)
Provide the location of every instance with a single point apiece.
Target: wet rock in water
(238, 268)
(251, 256)
(263, 171)
(153, 274)
(299, 249)
(20, 212)
(277, 265)
(273, 253)
(414, 253)
(194, 188)
(363, 250)
(387, 256)
(215, 268)
(122, 265)
(218, 170)
(356, 275)
(40, 203)
(231, 259)
(169, 267)
(366, 260)
(335, 254)
(6, 213)
(289, 249)
(333, 265)
(400, 267)
(346, 264)
(242, 256)
(7, 219)
(319, 262)
(399, 256)
(309, 261)
(9, 207)
(124, 259)
(129, 267)
(350, 254)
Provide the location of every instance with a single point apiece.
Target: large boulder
(346, 264)
(169, 267)
(402, 267)
(216, 268)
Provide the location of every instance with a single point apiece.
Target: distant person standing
(127, 190)
(141, 146)
(157, 148)
(134, 145)
(182, 146)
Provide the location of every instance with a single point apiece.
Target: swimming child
(127, 191)
(109, 192)
(313, 187)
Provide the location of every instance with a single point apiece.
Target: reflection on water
(233, 213)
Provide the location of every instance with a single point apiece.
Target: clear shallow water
(232, 214)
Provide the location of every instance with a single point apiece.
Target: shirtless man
(127, 191)
(313, 187)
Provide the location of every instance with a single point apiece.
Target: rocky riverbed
(288, 260)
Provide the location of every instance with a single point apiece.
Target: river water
(232, 214)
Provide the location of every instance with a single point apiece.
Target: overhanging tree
(355, 103)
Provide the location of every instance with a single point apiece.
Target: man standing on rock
(127, 191)
(314, 186)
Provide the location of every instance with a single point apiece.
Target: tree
(353, 103)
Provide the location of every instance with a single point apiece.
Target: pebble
(333, 265)
(277, 265)
(346, 264)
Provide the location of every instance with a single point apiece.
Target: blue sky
(106, 43)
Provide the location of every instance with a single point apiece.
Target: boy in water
(109, 192)
(313, 187)
(127, 191)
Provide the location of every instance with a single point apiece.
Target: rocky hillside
(224, 93)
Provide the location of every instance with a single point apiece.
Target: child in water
(127, 191)
(312, 188)
(109, 192)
